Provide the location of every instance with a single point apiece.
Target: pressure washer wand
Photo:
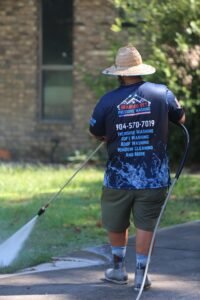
(178, 172)
(42, 209)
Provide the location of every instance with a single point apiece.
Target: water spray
(10, 248)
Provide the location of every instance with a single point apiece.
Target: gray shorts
(145, 206)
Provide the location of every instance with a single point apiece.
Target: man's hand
(99, 138)
(182, 120)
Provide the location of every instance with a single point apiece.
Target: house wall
(22, 132)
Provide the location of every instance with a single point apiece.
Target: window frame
(53, 67)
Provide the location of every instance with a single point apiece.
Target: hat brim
(142, 69)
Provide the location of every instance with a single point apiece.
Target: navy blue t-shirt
(134, 119)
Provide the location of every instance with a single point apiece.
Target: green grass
(73, 220)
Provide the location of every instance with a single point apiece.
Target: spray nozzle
(42, 210)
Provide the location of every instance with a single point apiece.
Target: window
(57, 59)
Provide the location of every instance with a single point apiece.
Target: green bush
(167, 33)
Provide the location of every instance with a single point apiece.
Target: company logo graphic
(134, 105)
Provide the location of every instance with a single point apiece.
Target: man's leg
(118, 241)
(118, 238)
(146, 210)
(116, 209)
(143, 241)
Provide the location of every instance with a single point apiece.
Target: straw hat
(128, 62)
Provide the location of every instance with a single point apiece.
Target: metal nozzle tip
(41, 211)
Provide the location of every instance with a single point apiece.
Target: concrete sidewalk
(174, 271)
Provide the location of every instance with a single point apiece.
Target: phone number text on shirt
(137, 124)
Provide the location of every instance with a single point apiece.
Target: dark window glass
(57, 31)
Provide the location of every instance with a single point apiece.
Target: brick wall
(21, 131)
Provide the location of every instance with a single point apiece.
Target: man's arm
(97, 123)
(175, 111)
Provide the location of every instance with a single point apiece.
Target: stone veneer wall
(21, 130)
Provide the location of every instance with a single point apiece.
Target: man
(133, 120)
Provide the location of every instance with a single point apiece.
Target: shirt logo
(134, 105)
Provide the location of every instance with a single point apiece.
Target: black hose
(187, 143)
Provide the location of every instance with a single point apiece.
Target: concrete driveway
(174, 272)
